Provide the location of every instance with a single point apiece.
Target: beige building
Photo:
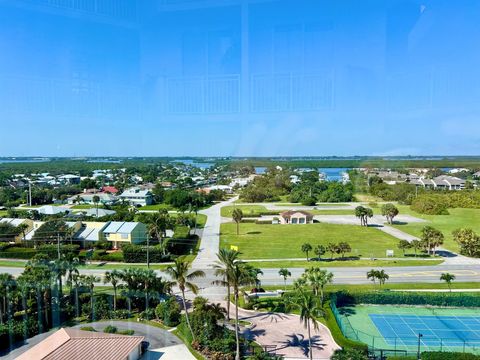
(295, 217)
(74, 344)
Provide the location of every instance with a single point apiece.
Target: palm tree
(318, 278)
(237, 216)
(309, 309)
(448, 278)
(89, 281)
(148, 277)
(306, 248)
(72, 270)
(6, 280)
(416, 245)
(180, 274)
(372, 275)
(223, 267)
(96, 200)
(113, 277)
(241, 275)
(284, 273)
(382, 276)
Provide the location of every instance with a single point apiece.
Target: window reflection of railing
(291, 92)
(203, 94)
(118, 9)
(70, 98)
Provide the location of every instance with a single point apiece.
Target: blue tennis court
(448, 331)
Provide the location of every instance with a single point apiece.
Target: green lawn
(339, 263)
(284, 241)
(458, 218)
(156, 207)
(248, 210)
(107, 266)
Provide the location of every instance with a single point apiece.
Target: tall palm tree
(113, 277)
(309, 309)
(382, 276)
(318, 278)
(72, 270)
(372, 275)
(223, 267)
(89, 282)
(148, 277)
(285, 273)
(5, 283)
(240, 275)
(181, 275)
(237, 216)
(96, 200)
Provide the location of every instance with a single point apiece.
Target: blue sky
(240, 78)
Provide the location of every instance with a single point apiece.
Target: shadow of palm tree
(299, 340)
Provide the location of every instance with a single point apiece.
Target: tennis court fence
(401, 345)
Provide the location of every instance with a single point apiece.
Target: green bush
(126, 332)
(88, 328)
(110, 329)
(437, 355)
(120, 314)
(51, 250)
(429, 205)
(16, 252)
(408, 298)
(168, 312)
(138, 254)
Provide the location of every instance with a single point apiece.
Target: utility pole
(58, 245)
(29, 193)
(148, 252)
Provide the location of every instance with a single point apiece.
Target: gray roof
(120, 227)
(12, 221)
(51, 210)
(136, 192)
(101, 212)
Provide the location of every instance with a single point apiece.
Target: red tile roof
(110, 189)
(75, 344)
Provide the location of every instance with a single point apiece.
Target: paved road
(210, 242)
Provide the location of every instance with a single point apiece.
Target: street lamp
(418, 351)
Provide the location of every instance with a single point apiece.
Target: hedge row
(408, 298)
(437, 355)
(138, 254)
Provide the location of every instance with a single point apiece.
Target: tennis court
(451, 331)
(398, 327)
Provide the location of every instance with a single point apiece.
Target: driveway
(210, 243)
(287, 335)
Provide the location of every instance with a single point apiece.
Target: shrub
(120, 314)
(15, 252)
(438, 355)
(408, 298)
(126, 332)
(110, 329)
(429, 205)
(168, 312)
(51, 250)
(88, 328)
(138, 254)
(147, 314)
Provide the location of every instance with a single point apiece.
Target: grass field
(156, 207)
(458, 218)
(353, 263)
(248, 210)
(284, 241)
(332, 212)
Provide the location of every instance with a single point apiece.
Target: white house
(442, 182)
(137, 196)
(295, 217)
